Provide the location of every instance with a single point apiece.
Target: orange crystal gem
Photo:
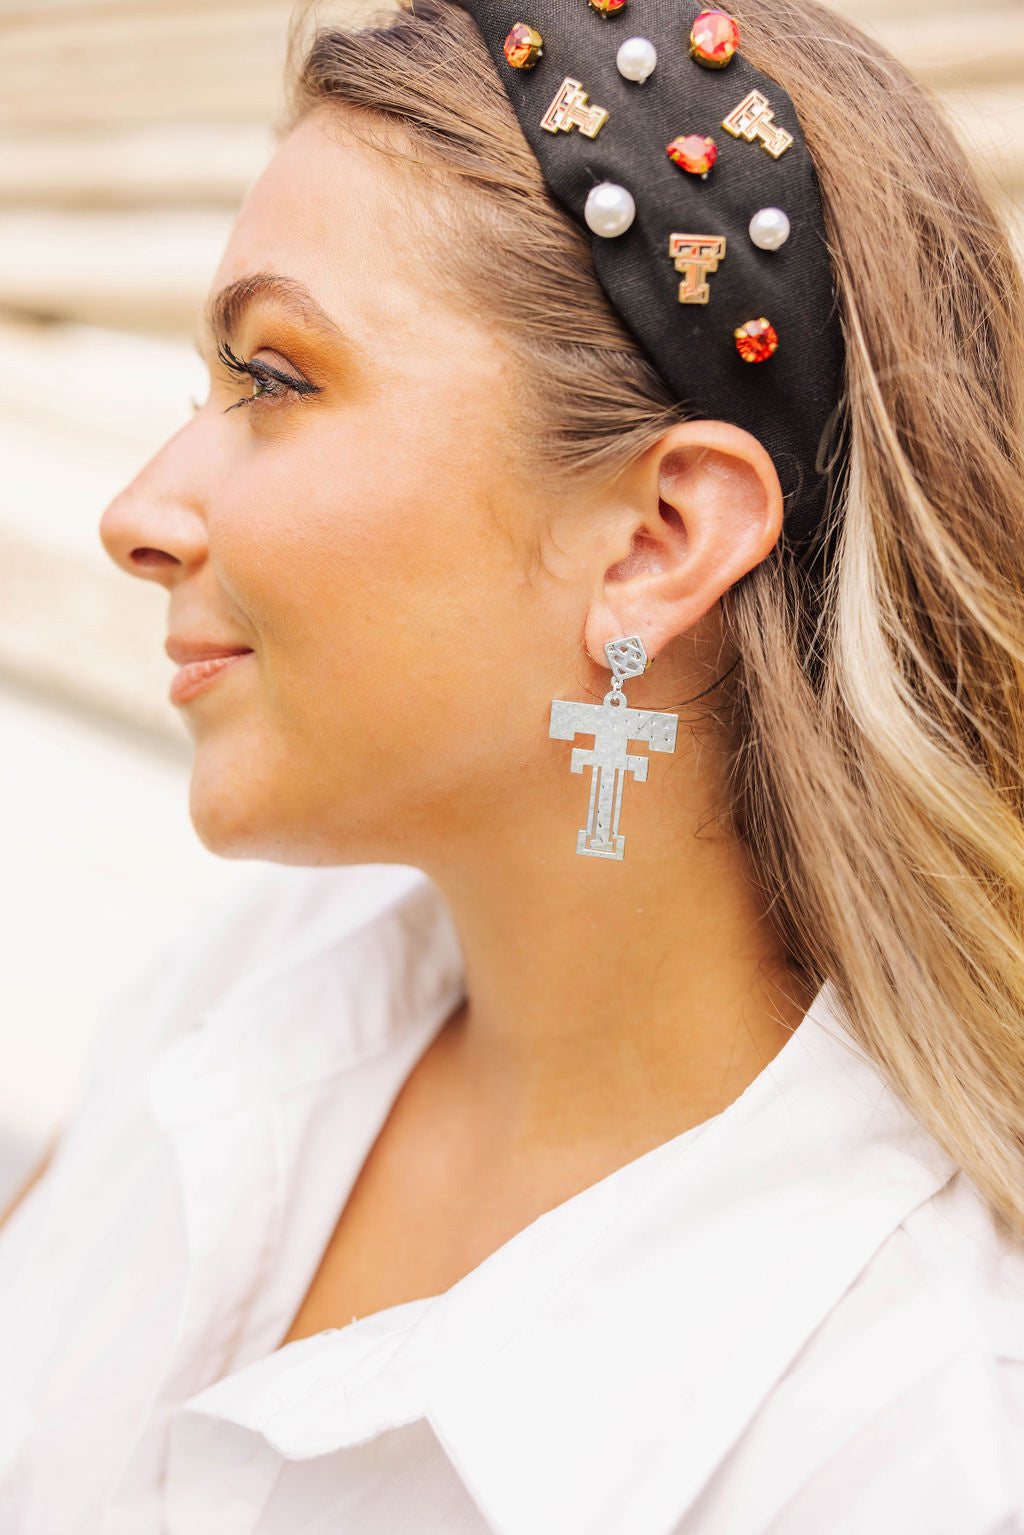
(714, 38)
(695, 154)
(608, 7)
(756, 341)
(522, 46)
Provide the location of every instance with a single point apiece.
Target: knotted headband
(738, 317)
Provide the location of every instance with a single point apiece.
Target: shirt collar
(595, 1385)
(591, 1374)
(364, 957)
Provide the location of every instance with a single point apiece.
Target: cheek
(370, 578)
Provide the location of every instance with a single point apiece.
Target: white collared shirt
(793, 1319)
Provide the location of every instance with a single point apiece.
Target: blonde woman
(505, 1160)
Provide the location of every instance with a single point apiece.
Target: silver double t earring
(613, 725)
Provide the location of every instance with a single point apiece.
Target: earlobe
(702, 507)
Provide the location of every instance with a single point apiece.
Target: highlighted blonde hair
(874, 727)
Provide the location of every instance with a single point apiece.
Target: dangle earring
(613, 725)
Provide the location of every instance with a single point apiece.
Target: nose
(156, 527)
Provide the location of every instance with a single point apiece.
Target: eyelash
(276, 385)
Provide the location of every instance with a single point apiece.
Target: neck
(630, 998)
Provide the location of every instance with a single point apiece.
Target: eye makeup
(269, 383)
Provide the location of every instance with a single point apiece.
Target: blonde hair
(875, 725)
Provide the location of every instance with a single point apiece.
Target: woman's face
(367, 534)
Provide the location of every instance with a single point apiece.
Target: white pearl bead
(609, 209)
(636, 58)
(769, 229)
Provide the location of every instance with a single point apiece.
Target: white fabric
(794, 1319)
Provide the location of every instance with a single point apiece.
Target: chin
(232, 829)
(223, 820)
(246, 814)
(233, 810)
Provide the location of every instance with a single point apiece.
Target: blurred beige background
(129, 129)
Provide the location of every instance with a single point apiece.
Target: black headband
(605, 128)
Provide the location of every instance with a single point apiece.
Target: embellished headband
(689, 169)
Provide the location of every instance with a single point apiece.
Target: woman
(449, 1180)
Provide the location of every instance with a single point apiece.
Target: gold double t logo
(569, 109)
(754, 119)
(695, 256)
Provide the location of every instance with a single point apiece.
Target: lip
(191, 678)
(184, 650)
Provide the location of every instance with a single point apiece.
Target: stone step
(81, 411)
(985, 51)
(144, 270)
(154, 165)
(90, 66)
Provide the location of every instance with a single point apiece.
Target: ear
(692, 515)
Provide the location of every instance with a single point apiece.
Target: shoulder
(962, 1257)
(909, 1396)
(973, 1276)
(904, 1409)
(964, 1283)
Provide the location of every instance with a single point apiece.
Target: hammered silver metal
(626, 657)
(613, 725)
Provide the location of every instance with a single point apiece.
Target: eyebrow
(224, 312)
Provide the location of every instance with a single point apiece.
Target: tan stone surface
(80, 411)
(153, 166)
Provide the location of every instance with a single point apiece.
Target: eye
(267, 382)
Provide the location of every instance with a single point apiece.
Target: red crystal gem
(607, 7)
(522, 46)
(695, 154)
(756, 341)
(714, 39)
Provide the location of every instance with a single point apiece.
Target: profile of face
(357, 510)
